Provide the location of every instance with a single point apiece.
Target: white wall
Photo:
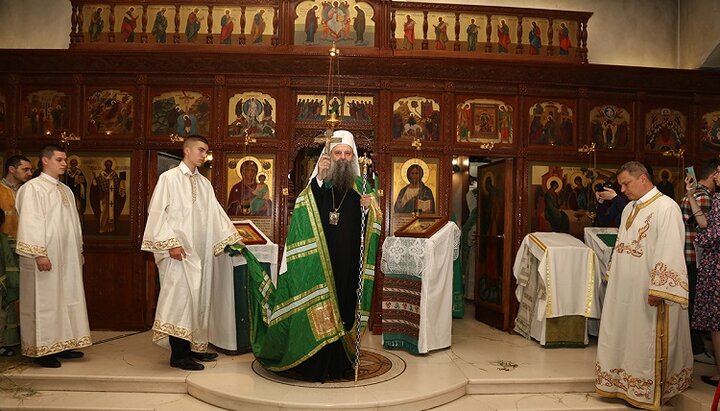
(700, 32)
(620, 32)
(35, 24)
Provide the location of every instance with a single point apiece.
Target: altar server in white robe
(644, 354)
(187, 231)
(53, 314)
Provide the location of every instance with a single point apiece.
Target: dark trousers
(180, 348)
(695, 336)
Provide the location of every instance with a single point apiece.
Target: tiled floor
(485, 369)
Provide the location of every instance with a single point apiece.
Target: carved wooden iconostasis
(501, 84)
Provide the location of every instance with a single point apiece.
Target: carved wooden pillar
(584, 42)
(209, 39)
(382, 105)
(425, 29)
(578, 40)
(581, 137)
(75, 121)
(488, 34)
(692, 145)
(73, 24)
(11, 127)
(220, 97)
(144, 21)
(519, 47)
(79, 36)
(276, 21)
(139, 127)
(241, 37)
(111, 24)
(448, 100)
(550, 48)
(142, 80)
(176, 36)
(393, 26)
(456, 46)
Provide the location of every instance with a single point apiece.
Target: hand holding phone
(690, 173)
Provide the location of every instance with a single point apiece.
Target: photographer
(610, 205)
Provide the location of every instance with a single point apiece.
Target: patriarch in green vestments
(308, 321)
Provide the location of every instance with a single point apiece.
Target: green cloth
(608, 239)
(291, 322)
(565, 332)
(242, 306)
(9, 292)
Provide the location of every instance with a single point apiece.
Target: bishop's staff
(366, 162)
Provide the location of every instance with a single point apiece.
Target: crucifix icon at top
(187, 101)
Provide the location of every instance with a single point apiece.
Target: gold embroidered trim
(63, 195)
(661, 275)
(322, 320)
(194, 186)
(61, 191)
(679, 382)
(619, 378)
(548, 298)
(162, 330)
(670, 297)
(538, 242)
(219, 247)
(300, 244)
(33, 250)
(590, 291)
(637, 209)
(634, 249)
(635, 403)
(662, 339)
(31, 351)
(296, 303)
(164, 245)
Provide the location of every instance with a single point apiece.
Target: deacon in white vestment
(53, 314)
(187, 231)
(644, 354)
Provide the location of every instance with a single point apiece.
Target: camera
(601, 186)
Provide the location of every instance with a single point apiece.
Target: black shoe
(708, 380)
(349, 374)
(70, 354)
(186, 363)
(203, 356)
(48, 361)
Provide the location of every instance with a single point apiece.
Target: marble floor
(485, 369)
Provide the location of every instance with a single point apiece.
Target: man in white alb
(187, 231)
(53, 314)
(644, 354)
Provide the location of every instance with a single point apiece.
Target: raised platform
(485, 369)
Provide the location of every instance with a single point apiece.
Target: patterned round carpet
(376, 366)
